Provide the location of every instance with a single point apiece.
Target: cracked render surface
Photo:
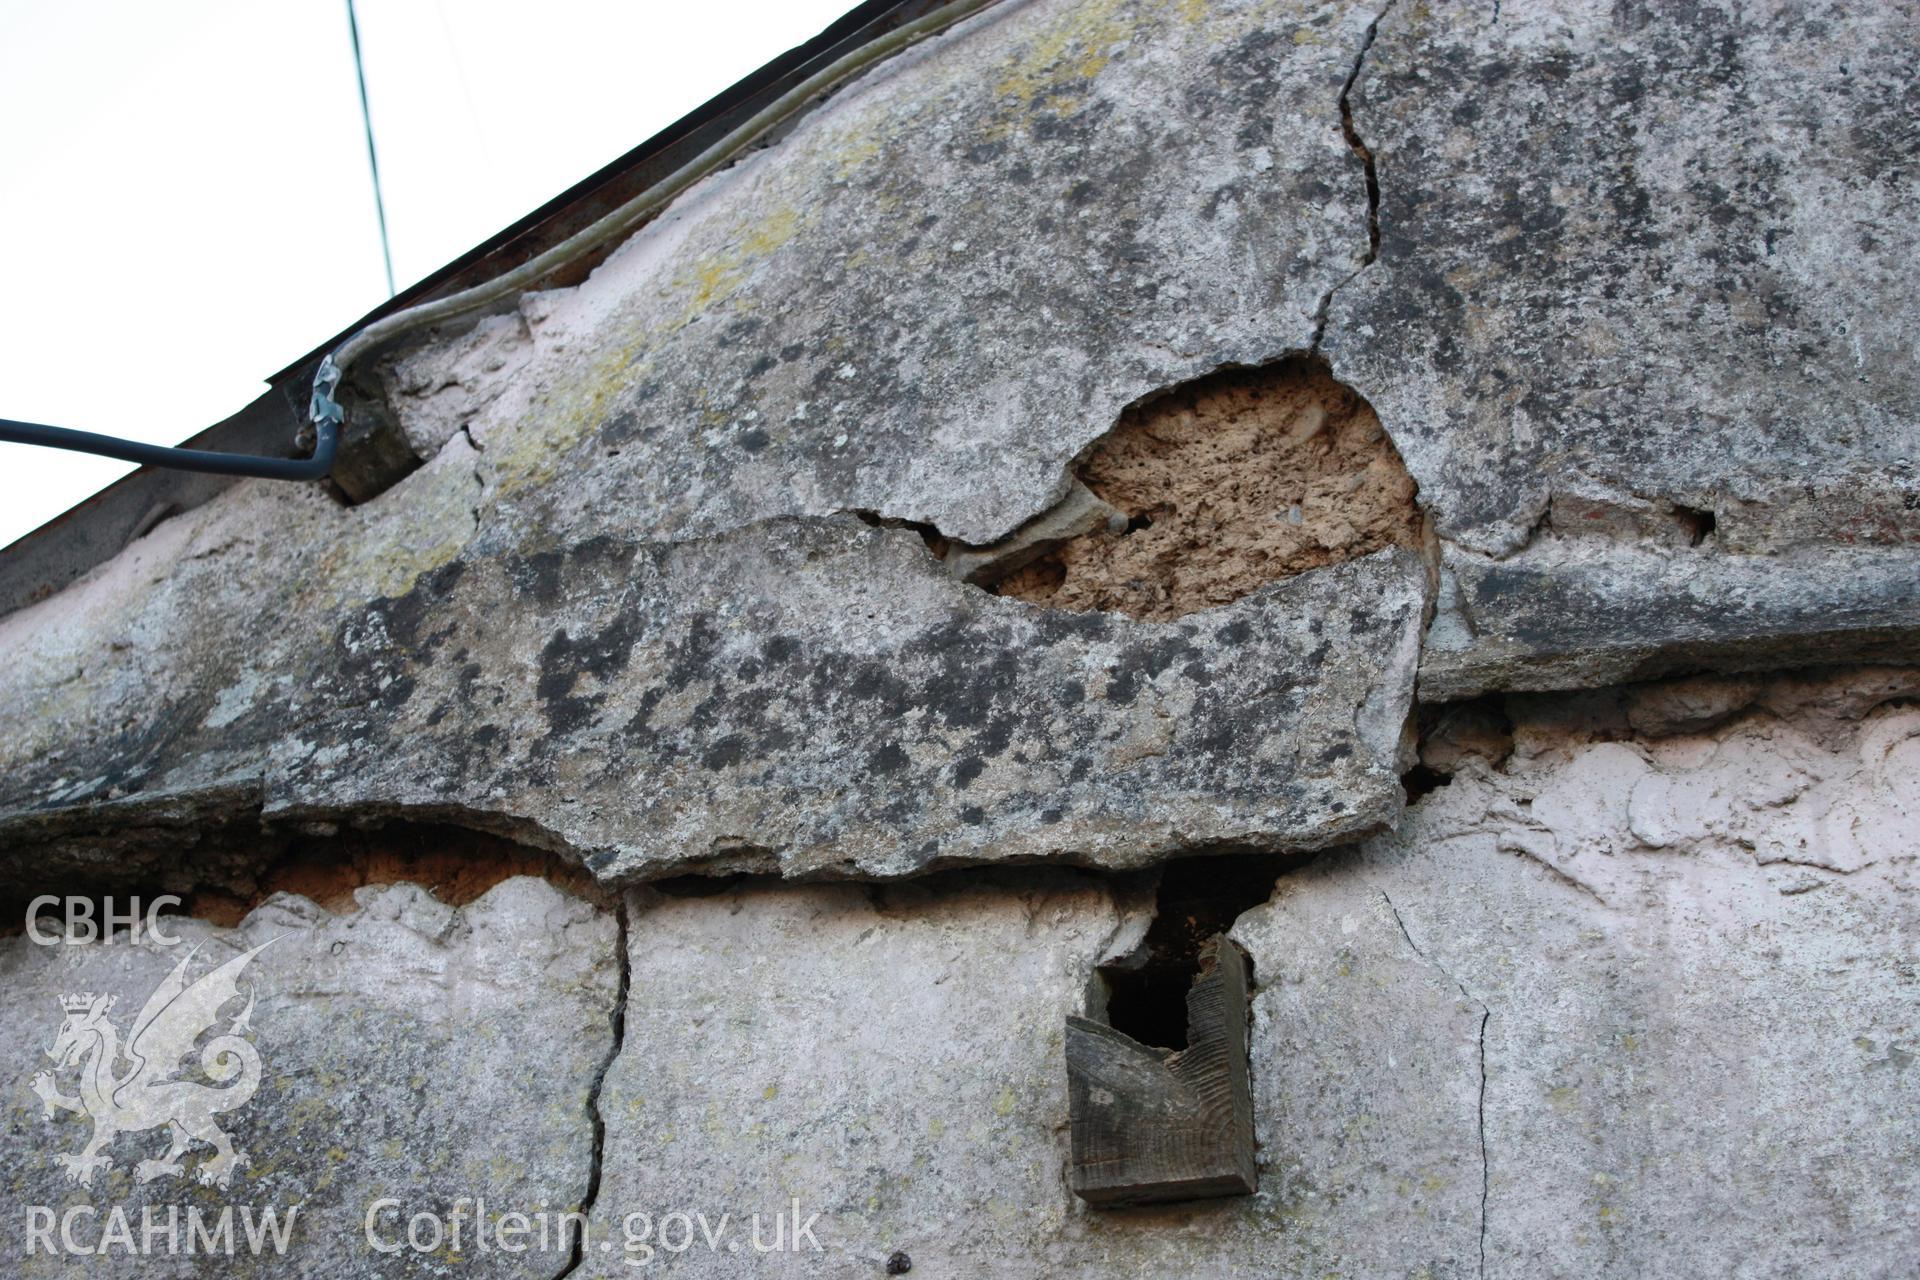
(1664, 1034)
(410, 1050)
(1668, 1032)
(1642, 267)
(1636, 267)
(628, 609)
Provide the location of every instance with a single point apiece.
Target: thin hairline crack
(1486, 1016)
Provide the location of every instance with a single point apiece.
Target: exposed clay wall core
(1229, 482)
(327, 863)
(456, 867)
(645, 820)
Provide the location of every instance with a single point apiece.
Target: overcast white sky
(184, 199)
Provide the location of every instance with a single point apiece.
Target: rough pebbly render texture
(1228, 483)
(1634, 1003)
(630, 609)
(614, 613)
(1642, 324)
(1631, 994)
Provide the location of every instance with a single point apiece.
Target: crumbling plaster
(923, 305)
(1629, 1047)
(1629, 990)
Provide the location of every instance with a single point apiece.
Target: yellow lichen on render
(1050, 74)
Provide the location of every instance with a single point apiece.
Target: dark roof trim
(98, 528)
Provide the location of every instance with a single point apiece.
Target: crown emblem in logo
(148, 1095)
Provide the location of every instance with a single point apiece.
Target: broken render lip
(1221, 485)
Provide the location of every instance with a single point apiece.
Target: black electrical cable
(327, 435)
(327, 413)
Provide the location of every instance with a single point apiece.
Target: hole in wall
(1227, 483)
(1145, 992)
(1696, 523)
(1421, 781)
(1451, 734)
(1038, 582)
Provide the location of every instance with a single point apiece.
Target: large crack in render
(1369, 171)
(1486, 1016)
(597, 1157)
(1358, 145)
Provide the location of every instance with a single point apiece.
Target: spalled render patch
(1229, 482)
(457, 867)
